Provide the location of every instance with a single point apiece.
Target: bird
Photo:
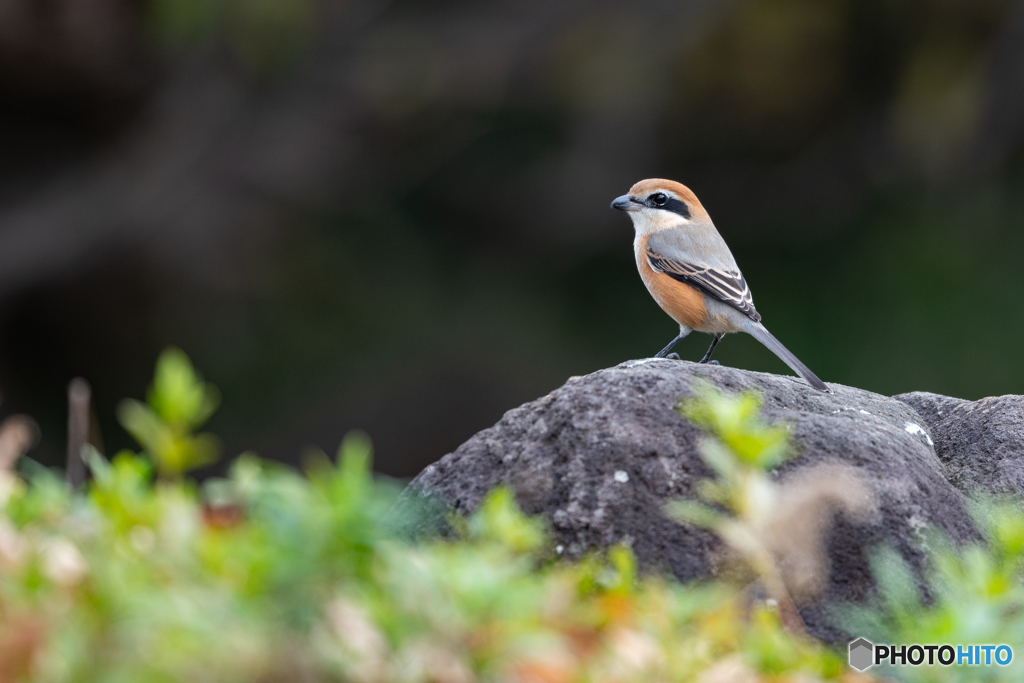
(689, 270)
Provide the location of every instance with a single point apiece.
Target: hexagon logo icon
(862, 654)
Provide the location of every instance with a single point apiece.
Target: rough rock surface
(980, 443)
(601, 454)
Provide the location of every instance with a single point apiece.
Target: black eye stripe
(672, 204)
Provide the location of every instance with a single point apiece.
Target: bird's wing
(728, 286)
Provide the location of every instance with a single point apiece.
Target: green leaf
(733, 421)
(692, 512)
(179, 402)
(500, 520)
(178, 394)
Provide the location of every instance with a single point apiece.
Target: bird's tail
(758, 332)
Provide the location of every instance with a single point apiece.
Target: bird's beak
(626, 203)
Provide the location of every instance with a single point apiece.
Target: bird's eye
(659, 198)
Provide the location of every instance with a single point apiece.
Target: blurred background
(394, 215)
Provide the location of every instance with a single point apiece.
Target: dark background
(394, 216)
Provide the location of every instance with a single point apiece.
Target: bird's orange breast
(681, 301)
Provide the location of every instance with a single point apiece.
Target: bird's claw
(673, 356)
(708, 362)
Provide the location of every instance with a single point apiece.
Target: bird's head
(656, 204)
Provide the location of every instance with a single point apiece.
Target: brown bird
(691, 273)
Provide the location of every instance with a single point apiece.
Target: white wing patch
(729, 287)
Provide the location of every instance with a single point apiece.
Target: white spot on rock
(916, 429)
(621, 476)
(642, 361)
(864, 412)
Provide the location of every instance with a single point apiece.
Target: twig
(79, 397)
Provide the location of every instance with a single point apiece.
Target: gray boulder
(980, 443)
(600, 455)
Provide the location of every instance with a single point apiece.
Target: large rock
(980, 443)
(600, 455)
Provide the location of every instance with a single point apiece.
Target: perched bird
(691, 273)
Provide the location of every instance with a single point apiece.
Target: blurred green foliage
(742, 450)
(970, 595)
(179, 402)
(270, 574)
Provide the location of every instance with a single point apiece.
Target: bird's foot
(708, 362)
(673, 356)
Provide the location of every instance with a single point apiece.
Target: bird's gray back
(696, 243)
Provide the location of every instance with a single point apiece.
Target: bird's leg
(714, 342)
(664, 352)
